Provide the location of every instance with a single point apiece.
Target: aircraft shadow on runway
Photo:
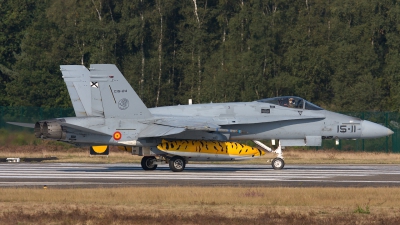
(166, 168)
(31, 159)
(221, 168)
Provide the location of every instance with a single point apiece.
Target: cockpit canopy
(291, 102)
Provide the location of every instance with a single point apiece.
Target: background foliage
(340, 54)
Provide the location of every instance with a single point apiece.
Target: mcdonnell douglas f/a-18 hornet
(109, 112)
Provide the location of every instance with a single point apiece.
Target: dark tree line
(340, 54)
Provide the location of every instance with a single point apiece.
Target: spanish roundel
(117, 135)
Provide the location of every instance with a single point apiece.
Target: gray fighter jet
(109, 112)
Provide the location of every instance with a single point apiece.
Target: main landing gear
(176, 163)
(277, 163)
(149, 163)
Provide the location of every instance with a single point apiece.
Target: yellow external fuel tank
(210, 147)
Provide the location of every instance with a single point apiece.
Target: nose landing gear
(278, 163)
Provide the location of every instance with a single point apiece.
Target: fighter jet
(109, 112)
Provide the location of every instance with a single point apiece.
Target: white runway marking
(25, 174)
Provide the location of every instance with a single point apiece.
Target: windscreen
(311, 106)
(291, 102)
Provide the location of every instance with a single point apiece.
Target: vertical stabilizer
(117, 96)
(77, 79)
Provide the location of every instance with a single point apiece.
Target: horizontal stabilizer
(84, 129)
(28, 125)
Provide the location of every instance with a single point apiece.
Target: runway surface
(71, 175)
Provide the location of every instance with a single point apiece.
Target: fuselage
(267, 121)
(256, 121)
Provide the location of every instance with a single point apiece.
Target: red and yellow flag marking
(117, 135)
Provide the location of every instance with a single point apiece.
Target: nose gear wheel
(278, 163)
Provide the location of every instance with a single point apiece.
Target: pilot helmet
(291, 100)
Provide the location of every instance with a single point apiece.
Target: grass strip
(199, 205)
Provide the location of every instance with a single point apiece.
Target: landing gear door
(292, 142)
(313, 140)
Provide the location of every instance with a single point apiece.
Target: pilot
(292, 103)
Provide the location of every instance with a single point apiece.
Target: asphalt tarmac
(74, 175)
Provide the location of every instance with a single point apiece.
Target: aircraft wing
(155, 130)
(188, 122)
(176, 125)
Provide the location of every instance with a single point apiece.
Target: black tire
(278, 164)
(147, 163)
(177, 164)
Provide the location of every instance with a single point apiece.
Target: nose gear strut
(278, 162)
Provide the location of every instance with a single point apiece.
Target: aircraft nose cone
(374, 130)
